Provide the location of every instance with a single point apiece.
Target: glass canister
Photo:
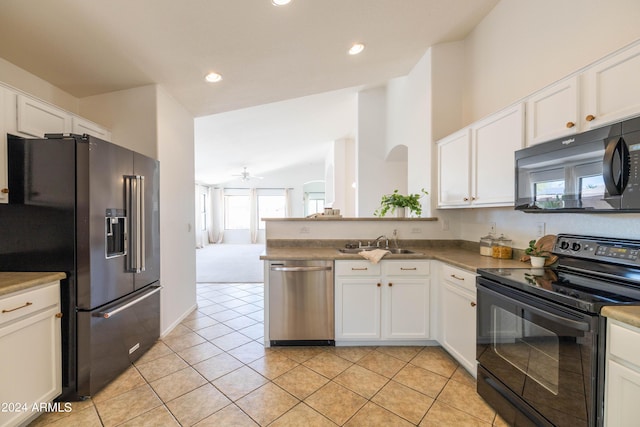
(502, 248)
(486, 245)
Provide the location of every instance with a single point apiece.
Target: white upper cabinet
(36, 118)
(476, 165)
(494, 141)
(612, 89)
(553, 112)
(82, 126)
(454, 167)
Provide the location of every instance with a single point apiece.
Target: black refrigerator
(89, 208)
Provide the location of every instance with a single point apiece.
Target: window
(270, 206)
(236, 211)
(314, 203)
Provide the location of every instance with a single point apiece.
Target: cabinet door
(4, 189)
(494, 142)
(553, 112)
(453, 170)
(406, 309)
(358, 308)
(82, 126)
(622, 391)
(613, 89)
(30, 363)
(35, 118)
(459, 325)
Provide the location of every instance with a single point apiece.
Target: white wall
(340, 174)
(522, 46)
(29, 83)
(375, 176)
(130, 115)
(519, 48)
(177, 209)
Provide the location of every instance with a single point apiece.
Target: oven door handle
(581, 326)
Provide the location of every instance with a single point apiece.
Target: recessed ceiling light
(213, 77)
(280, 2)
(356, 49)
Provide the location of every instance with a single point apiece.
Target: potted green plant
(538, 256)
(395, 200)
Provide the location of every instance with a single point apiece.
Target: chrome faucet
(376, 242)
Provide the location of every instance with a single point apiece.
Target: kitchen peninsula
(423, 296)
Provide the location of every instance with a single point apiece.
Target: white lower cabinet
(31, 356)
(622, 375)
(458, 315)
(388, 301)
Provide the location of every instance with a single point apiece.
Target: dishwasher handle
(304, 268)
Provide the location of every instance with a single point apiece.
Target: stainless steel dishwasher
(301, 303)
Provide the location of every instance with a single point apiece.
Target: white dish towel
(374, 256)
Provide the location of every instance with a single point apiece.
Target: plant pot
(538, 261)
(401, 212)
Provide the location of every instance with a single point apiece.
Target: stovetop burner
(591, 273)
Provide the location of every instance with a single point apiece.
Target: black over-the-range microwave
(594, 171)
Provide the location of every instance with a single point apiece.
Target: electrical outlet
(304, 230)
(540, 229)
(445, 224)
(492, 227)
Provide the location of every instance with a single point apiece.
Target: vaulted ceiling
(265, 54)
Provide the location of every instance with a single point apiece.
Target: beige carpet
(230, 263)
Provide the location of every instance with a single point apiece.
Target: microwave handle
(615, 179)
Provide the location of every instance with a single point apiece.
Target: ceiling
(266, 55)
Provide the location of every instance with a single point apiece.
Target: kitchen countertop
(17, 281)
(457, 254)
(629, 314)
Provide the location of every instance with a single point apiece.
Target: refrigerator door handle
(118, 309)
(134, 195)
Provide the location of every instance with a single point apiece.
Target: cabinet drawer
(357, 268)
(624, 343)
(406, 268)
(459, 277)
(31, 301)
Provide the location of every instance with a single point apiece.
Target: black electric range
(540, 336)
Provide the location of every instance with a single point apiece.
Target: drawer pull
(379, 285)
(359, 268)
(408, 269)
(18, 308)
(590, 118)
(59, 315)
(390, 284)
(473, 304)
(457, 278)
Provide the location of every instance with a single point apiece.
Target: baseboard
(178, 321)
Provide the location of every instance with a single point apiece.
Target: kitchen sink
(401, 251)
(370, 248)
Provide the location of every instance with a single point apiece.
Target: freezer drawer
(111, 337)
(301, 302)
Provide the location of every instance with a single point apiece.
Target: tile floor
(213, 370)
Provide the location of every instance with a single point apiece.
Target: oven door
(537, 360)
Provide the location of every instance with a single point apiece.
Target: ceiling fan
(246, 176)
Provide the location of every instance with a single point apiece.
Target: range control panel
(599, 249)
